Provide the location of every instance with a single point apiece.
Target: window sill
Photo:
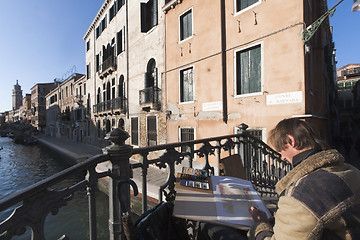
(249, 95)
(246, 9)
(189, 102)
(186, 39)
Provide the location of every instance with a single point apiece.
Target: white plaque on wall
(212, 106)
(284, 98)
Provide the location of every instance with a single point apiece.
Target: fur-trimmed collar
(316, 161)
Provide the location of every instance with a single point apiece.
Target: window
(242, 4)
(186, 134)
(113, 96)
(101, 27)
(120, 41)
(84, 89)
(149, 15)
(135, 131)
(186, 85)
(248, 70)
(151, 131)
(87, 45)
(186, 25)
(112, 12)
(97, 62)
(120, 3)
(103, 24)
(88, 71)
(256, 133)
(97, 32)
(66, 91)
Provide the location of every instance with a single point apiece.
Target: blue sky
(41, 40)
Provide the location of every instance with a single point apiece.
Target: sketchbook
(227, 204)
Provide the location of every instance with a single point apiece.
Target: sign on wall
(212, 106)
(284, 98)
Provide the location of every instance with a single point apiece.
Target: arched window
(121, 89)
(151, 74)
(121, 124)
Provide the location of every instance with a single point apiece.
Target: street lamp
(356, 6)
(311, 29)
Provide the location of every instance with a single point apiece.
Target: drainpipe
(127, 56)
(223, 59)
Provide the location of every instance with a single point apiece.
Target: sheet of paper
(233, 198)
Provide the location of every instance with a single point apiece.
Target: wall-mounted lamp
(311, 29)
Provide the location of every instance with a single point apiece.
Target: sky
(41, 40)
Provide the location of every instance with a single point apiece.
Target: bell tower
(16, 96)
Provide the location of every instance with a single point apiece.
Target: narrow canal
(21, 166)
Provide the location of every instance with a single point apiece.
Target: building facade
(62, 109)
(124, 61)
(233, 62)
(38, 104)
(348, 98)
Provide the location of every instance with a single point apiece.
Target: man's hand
(260, 216)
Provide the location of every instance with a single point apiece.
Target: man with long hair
(319, 197)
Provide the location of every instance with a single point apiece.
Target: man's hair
(304, 134)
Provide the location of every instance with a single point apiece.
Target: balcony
(113, 106)
(263, 167)
(108, 66)
(149, 98)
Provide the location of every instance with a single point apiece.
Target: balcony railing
(150, 95)
(108, 66)
(113, 105)
(263, 168)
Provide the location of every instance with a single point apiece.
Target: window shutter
(134, 131)
(155, 13)
(155, 77)
(118, 42)
(151, 131)
(123, 39)
(143, 8)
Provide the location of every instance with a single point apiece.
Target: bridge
(262, 165)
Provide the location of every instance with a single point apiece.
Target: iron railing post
(119, 168)
(91, 189)
(243, 150)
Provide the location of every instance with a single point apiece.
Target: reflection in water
(22, 166)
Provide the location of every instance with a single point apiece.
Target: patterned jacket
(320, 199)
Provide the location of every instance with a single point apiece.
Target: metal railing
(263, 167)
(111, 105)
(149, 95)
(110, 62)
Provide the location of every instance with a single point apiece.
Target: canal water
(22, 166)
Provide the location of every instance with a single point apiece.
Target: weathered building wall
(283, 91)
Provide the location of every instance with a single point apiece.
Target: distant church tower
(17, 96)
